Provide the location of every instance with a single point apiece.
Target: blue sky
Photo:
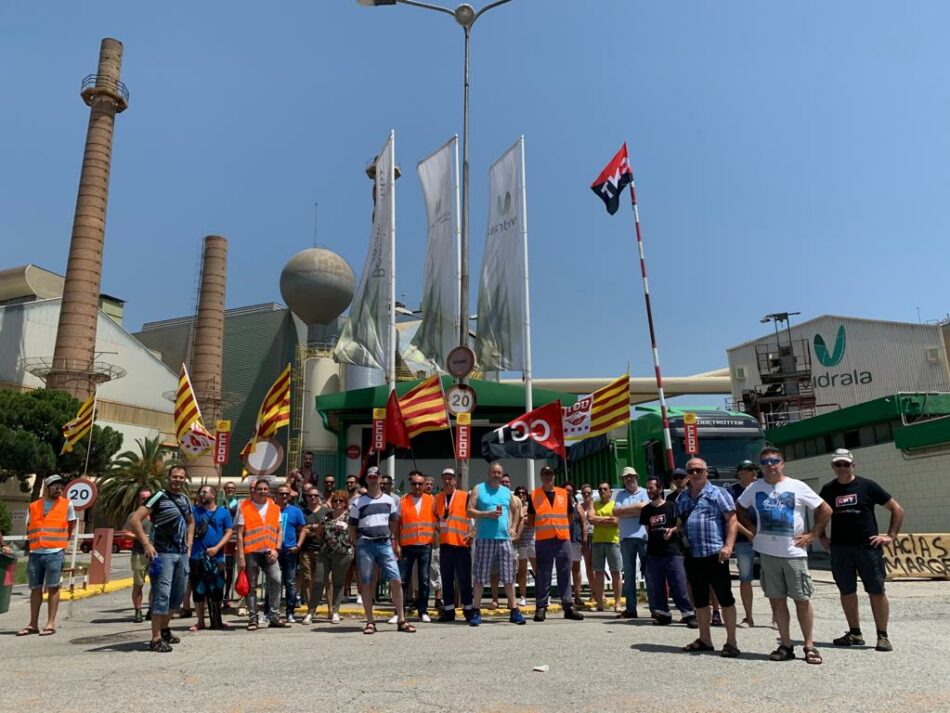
(788, 156)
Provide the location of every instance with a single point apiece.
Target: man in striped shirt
(374, 516)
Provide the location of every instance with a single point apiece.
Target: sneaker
(849, 639)
(161, 646)
(184, 613)
(446, 615)
(476, 618)
(663, 619)
(168, 638)
(307, 620)
(690, 621)
(425, 618)
(335, 619)
(883, 644)
(573, 614)
(628, 614)
(515, 617)
(394, 619)
(138, 618)
(522, 602)
(290, 619)
(716, 618)
(540, 614)
(359, 600)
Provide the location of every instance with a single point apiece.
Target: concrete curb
(96, 589)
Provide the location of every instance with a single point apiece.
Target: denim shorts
(45, 569)
(376, 552)
(745, 558)
(169, 587)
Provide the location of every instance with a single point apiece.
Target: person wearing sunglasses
(455, 537)
(781, 539)
(706, 515)
(331, 528)
(605, 546)
(855, 545)
(258, 540)
(416, 529)
(633, 537)
(313, 511)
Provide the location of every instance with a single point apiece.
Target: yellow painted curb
(95, 589)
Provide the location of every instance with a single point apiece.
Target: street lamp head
(465, 15)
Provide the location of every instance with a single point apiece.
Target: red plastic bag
(242, 586)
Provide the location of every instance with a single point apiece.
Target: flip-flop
(27, 630)
(48, 631)
(195, 627)
(370, 628)
(698, 645)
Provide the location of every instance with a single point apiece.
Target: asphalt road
(97, 662)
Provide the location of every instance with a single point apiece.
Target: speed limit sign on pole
(460, 399)
(81, 493)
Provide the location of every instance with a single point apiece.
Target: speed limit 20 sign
(81, 493)
(460, 399)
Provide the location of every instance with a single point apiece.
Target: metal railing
(93, 82)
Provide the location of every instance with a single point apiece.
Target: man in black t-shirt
(664, 559)
(855, 545)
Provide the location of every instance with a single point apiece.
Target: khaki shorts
(139, 568)
(786, 577)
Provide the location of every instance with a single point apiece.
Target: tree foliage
(130, 473)
(31, 439)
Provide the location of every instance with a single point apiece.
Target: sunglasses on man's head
(770, 461)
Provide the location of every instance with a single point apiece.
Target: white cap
(448, 471)
(628, 472)
(372, 470)
(842, 454)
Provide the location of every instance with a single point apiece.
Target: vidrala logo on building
(832, 359)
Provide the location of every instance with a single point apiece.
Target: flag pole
(391, 375)
(667, 441)
(528, 395)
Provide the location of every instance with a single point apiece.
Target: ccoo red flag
(613, 179)
(395, 428)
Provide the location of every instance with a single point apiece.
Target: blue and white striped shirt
(371, 516)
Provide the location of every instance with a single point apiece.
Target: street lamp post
(465, 15)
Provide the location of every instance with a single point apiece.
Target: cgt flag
(537, 434)
(613, 179)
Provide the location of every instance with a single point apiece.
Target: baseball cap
(628, 472)
(747, 465)
(842, 454)
(547, 469)
(372, 470)
(679, 473)
(448, 471)
(54, 479)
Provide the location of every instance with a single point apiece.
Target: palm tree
(128, 475)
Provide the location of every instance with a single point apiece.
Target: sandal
(812, 655)
(279, 624)
(252, 627)
(406, 627)
(370, 628)
(48, 631)
(698, 645)
(196, 627)
(27, 630)
(782, 653)
(729, 651)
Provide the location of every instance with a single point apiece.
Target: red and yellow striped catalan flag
(274, 412)
(423, 408)
(611, 407)
(193, 438)
(80, 426)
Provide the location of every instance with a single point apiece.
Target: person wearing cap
(706, 515)
(633, 537)
(550, 512)
(855, 545)
(373, 521)
(455, 555)
(51, 521)
(782, 540)
(746, 472)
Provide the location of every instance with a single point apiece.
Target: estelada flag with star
(613, 179)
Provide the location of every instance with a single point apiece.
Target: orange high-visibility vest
(550, 520)
(417, 528)
(260, 534)
(454, 527)
(49, 531)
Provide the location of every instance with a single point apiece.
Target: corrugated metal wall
(880, 359)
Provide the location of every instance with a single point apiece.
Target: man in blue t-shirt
(292, 523)
(633, 537)
(213, 528)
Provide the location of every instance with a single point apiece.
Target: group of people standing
(681, 544)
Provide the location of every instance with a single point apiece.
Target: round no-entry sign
(352, 451)
(81, 493)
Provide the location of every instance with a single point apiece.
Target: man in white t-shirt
(781, 540)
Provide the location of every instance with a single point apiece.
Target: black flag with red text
(537, 434)
(613, 179)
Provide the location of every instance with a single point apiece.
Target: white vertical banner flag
(439, 331)
(500, 338)
(365, 339)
